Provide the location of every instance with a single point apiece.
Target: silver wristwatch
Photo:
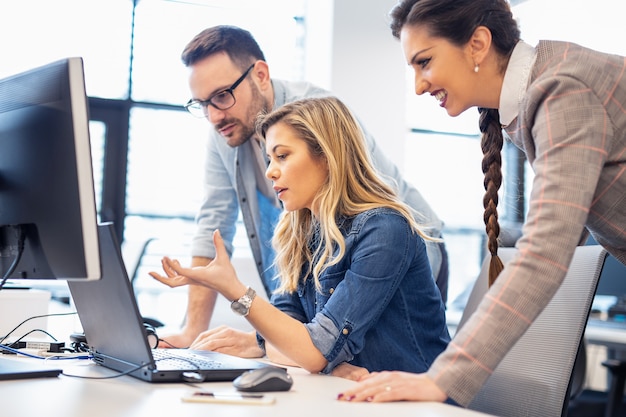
(242, 306)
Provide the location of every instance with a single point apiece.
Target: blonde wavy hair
(333, 135)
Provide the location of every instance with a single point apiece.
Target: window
(147, 150)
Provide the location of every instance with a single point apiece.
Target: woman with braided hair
(562, 104)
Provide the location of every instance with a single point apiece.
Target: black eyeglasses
(222, 100)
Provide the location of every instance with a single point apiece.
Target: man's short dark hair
(237, 43)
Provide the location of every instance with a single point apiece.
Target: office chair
(534, 378)
(610, 403)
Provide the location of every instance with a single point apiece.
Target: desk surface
(311, 395)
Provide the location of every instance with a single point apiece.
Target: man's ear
(261, 74)
(480, 44)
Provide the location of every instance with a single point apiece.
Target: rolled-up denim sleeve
(327, 337)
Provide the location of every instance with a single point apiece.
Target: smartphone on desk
(229, 398)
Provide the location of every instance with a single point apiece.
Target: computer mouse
(264, 379)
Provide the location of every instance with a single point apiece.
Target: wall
(365, 66)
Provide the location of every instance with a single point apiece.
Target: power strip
(53, 347)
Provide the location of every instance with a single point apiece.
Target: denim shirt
(378, 307)
(230, 186)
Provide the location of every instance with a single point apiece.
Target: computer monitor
(612, 280)
(48, 219)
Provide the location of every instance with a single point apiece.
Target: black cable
(78, 347)
(169, 344)
(32, 318)
(33, 331)
(110, 376)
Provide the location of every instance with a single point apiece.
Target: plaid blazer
(572, 127)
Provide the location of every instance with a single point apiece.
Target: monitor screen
(48, 220)
(612, 280)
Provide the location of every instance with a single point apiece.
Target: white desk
(311, 395)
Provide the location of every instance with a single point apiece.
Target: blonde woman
(355, 284)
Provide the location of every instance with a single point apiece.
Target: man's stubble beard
(258, 106)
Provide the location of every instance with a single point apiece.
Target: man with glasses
(230, 85)
(222, 100)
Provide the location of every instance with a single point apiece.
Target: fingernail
(369, 399)
(340, 396)
(352, 397)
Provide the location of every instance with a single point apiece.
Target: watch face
(239, 308)
(242, 306)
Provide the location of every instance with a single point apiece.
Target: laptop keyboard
(183, 359)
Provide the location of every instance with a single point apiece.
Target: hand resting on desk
(394, 386)
(349, 371)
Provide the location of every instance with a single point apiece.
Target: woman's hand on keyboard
(227, 340)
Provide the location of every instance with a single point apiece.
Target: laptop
(116, 336)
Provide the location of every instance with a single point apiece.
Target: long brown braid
(491, 144)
